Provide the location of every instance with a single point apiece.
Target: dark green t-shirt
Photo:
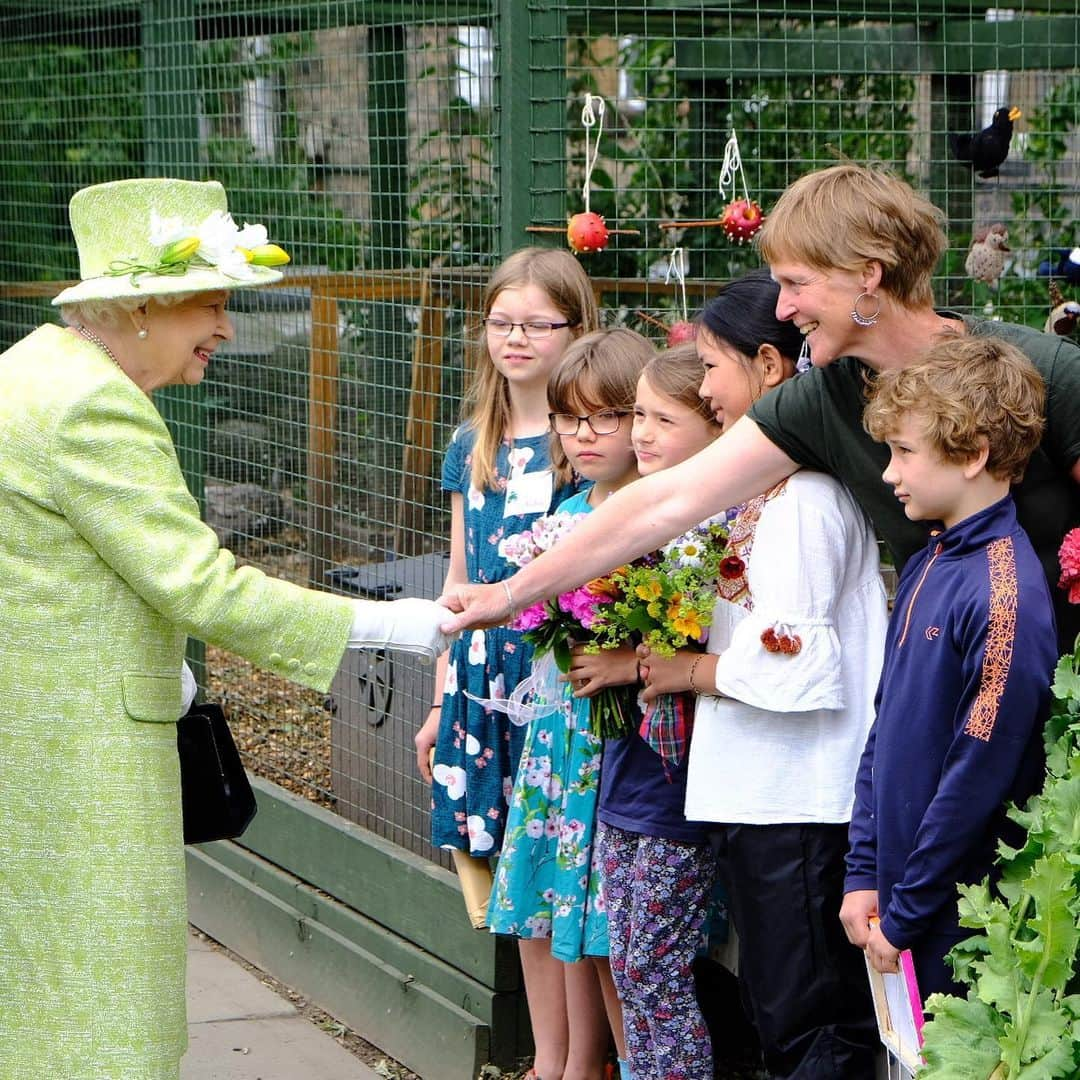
(816, 419)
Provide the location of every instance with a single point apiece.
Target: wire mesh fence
(398, 151)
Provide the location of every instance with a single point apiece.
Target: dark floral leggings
(658, 894)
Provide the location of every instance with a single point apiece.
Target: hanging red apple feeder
(587, 232)
(741, 218)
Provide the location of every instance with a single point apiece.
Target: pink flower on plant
(1069, 557)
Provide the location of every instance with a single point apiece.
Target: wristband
(509, 599)
(693, 668)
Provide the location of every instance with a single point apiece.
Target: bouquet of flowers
(553, 627)
(666, 601)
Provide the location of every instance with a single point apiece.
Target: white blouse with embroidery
(782, 742)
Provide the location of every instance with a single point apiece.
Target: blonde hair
(560, 277)
(845, 216)
(677, 374)
(965, 390)
(598, 371)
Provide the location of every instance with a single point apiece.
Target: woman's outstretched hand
(478, 606)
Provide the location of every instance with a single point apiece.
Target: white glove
(410, 625)
(188, 687)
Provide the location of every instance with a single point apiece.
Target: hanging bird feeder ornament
(588, 232)
(683, 331)
(741, 218)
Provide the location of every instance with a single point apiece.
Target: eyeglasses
(534, 330)
(605, 422)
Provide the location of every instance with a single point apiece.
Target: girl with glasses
(500, 479)
(545, 892)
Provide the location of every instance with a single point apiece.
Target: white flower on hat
(163, 231)
(221, 244)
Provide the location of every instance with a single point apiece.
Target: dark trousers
(804, 985)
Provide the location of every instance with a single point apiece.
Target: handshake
(410, 625)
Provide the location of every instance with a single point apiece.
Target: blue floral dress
(545, 883)
(478, 749)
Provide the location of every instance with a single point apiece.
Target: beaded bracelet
(693, 668)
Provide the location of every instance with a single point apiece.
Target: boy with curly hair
(968, 658)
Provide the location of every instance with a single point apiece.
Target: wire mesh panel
(397, 152)
(805, 85)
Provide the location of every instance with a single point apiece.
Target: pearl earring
(143, 334)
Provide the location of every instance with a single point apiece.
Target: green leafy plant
(1021, 1017)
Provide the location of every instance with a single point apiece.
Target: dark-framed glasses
(534, 329)
(604, 422)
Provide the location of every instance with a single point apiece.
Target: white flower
(452, 777)
(164, 231)
(251, 236)
(480, 840)
(217, 237)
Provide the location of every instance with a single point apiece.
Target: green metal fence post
(530, 95)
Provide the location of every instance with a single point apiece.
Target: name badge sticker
(529, 493)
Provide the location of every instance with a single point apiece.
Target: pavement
(239, 1029)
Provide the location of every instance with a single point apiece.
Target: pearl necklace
(92, 337)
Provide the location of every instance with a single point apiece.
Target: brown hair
(677, 373)
(598, 371)
(965, 390)
(845, 216)
(559, 275)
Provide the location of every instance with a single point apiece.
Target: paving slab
(239, 1029)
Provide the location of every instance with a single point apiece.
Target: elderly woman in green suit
(107, 569)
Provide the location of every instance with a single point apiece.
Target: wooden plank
(372, 875)
(386, 1004)
(428, 969)
(323, 374)
(418, 459)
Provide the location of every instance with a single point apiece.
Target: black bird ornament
(987, 149)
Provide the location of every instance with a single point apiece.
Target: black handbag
(217, 798)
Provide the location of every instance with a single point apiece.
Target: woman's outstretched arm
(642, 516)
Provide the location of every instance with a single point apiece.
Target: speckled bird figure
(987, 149)
(986, 259)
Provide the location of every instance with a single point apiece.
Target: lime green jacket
(105, 569)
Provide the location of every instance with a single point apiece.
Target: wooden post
(323, 374)
(419, 453)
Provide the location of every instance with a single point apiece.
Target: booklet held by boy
(898, 1008)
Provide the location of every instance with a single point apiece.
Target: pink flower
(530, 618)
(583, 604)
(1069, 557)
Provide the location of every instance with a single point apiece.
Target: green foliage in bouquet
(666, 600)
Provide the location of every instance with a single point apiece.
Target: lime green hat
(152, 237)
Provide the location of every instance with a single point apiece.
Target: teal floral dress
(546, 885)
(478, 748)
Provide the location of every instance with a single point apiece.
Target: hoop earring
(143, 334)
(865, 320)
